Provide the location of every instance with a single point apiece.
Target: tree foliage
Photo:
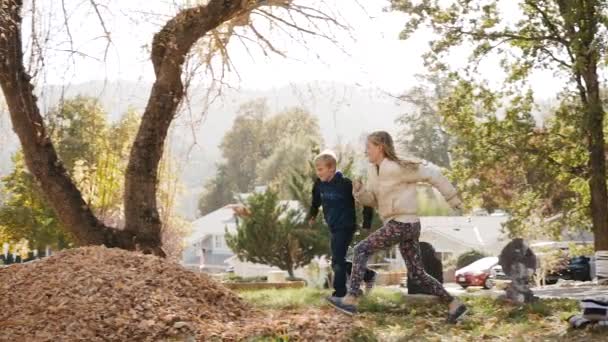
(468, 258)
(94, 157)
(422, 133)
(261, 149)
(275, 234)
(566, 37)
(25, 215)
(533, 172)
(95, 153)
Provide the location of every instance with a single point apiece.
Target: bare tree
(214, 22)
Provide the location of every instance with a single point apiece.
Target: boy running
(334, 192)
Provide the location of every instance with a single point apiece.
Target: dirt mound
(106, 294)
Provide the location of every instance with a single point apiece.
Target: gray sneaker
(332, 299)
(338, 304)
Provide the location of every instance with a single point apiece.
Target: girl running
(391, 188)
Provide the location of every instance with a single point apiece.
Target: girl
(391, 188)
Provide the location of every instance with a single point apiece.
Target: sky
(369, 54)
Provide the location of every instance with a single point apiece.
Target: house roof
(213, 223)
(216, 222)
(475, 231)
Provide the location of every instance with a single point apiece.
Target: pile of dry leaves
(103, 294)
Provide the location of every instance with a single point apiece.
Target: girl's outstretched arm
(431, 174)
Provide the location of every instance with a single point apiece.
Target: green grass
(286, 298)
(389, 316)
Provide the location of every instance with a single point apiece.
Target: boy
(333, 191)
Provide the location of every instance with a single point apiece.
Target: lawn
(388, 316)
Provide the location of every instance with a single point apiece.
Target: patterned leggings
(407, 235)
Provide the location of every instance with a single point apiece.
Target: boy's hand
(357, 186)
(311, 222)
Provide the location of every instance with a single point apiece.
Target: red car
(479, 273)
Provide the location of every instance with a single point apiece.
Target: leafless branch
(67, 25)
(36, 58)
(266, 42)
(293, 25)
(316, 14)
(105, 29)
(243, 39)
(76, 52)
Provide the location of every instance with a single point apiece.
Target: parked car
(479, 273)
(578, 268)
(498, 274)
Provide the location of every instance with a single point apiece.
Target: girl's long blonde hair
(384, 139)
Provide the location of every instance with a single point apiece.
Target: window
(219, 242)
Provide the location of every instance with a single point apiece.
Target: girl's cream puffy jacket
(391, 188)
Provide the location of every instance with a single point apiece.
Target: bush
(468, 258)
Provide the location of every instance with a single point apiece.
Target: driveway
(578, 292)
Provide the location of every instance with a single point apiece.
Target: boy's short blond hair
(328, 157)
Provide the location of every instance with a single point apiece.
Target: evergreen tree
(275, 234)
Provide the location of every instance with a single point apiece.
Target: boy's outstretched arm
(315, 203)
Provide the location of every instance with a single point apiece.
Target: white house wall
(444, 244)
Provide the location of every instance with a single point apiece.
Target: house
(206, 248)
(454, 235)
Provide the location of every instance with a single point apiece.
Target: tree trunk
(587, 60)
(581, 20)
(290, 272)
(169, 49)
(594, 119)
(40, 155)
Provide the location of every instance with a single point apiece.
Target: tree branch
(548, 22)
(555, 59)
(105, 29)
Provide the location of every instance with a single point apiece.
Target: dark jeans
(340, 240)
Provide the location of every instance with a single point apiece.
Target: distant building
(206, 249)
(454, 235)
